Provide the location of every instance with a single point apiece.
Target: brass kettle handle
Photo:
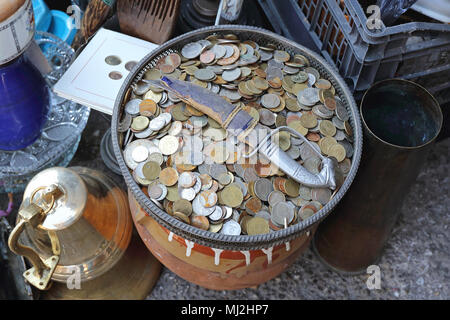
(41, 272)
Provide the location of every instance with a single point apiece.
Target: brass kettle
(71, 221)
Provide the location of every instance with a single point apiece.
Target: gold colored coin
(148, 108)
(156, 97)
(308, 120)
(324, 94)
(153, 74)
(183, 205)
(283, 139)
(182, 216)
(292, 188)
(232, 196)
(297, 126)
(200, 222)
(325, 144)
(172, 193)
(257, 225)
(151, 170)
(140, 123)
(292, 105)
(337, 151)
(323, 84)
(168, 176)
(327, 128)
(298, 87)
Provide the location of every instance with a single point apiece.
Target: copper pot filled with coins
(234, 143)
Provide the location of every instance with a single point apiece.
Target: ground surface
(415, 264)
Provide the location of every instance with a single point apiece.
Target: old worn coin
(270, 101)
(151, 170)
(168, 176)
(192, 50)
(257, 225)
(263, 187)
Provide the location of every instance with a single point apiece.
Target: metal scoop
(239, 123)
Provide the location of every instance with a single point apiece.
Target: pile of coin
(193, 169)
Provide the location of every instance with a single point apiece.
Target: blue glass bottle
(24, 104)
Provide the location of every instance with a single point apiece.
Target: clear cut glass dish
(61, 135)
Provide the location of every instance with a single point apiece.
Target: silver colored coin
(312, 164)
(166, 116)
(266, 117)
(322, 111)
(132, 107)
(155, 191)
(231, 228)
(139, 154)
(275, 64)
(187, 180)
(321, 195)
(340, 135)
(313, 71)
(339, 124)
(275, 197)
(229, 51)
(141, 88)
(164, 192)
(311, 79)
(157, 123)
(199, 209)
(273, 73)
(341, 111)
(156, 157)
(263, 187)
(125, 123)
(130, 148)
(169, 145)
(192, 50)
(305, 192)
(282, 213)
(238, 169)
(219, 51)
(250, 175)
(309, 96)
(293, 151)
(231, 75)
(348, 148)
(300, 77)
(263, 214)
(217, 214)
(307, 152)
(290, 70)
(270, 101)
(228, 212)
(265, 55)
(187, 193)
(204, 74)
(198, 185)
(216, 170)
(144, 134)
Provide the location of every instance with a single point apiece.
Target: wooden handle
(95, 15)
